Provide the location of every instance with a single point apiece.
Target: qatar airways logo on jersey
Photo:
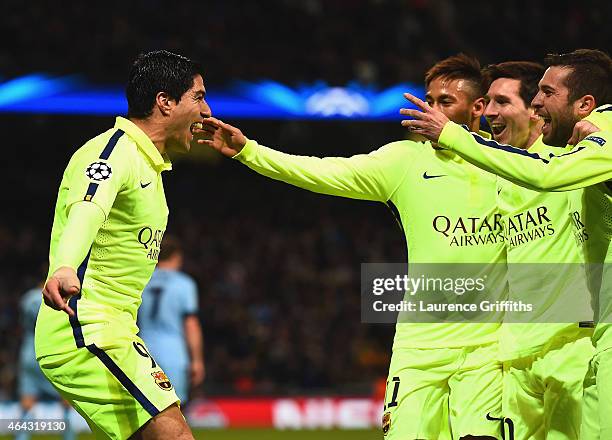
(151, 240)
(470, 231)
(527, 226)
(580, 230)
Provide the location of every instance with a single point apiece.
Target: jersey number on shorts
(142, 350)
(393, 402)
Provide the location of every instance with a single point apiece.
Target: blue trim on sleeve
(508, 148)
(91, 191)
(124, 379)
(568, 153)
(110, 146)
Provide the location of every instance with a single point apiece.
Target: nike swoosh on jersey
(144, 185)
(427, 176)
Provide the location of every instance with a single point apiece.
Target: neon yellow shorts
(443, 393)
(117, 390)
(597, 403)
(543, 392)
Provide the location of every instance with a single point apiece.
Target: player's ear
(164, 102)
(584, 106)
(478, 108)
(533, 118)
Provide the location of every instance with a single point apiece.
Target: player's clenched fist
(581, 130)
(60, 287)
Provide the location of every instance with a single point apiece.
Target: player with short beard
(572, 88)
(439, 371)
(545, 360)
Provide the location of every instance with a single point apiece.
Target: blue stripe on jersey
(83, 267)
(509, 148)
(91, 190)
(123, 379)
(567, 154)
(605, 109)
(77, 330)
(111, 144)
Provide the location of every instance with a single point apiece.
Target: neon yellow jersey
(120, 172)
(544, 236)
(587, 166)
(447, 209)
(588, 163)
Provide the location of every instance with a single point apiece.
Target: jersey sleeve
(84, 221)
(190, 295)
(601, 117)
(588, 163)
(373, 176)
(97, 176)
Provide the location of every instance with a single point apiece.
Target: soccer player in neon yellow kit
(571, 89)
(545, 361)
(465, 386)
(110, 217)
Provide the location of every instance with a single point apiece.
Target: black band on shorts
(123, 379)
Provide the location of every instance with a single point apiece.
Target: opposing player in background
(168, 321)
(33, 386)
(439, 371)
(545, 360)
(574, 91)
(110, 217)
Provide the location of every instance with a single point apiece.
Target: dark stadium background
(277, 267)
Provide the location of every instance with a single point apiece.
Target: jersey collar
(159, 161)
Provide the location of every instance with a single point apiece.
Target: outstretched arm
(371, 176)
(588, 163)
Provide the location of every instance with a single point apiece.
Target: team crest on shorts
(386, 422)
(162, 380)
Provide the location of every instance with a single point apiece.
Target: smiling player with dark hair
(573, 101)
(439, 371)
(110, 218)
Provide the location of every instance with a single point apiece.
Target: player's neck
(154, 131)
(167, 265)
(535, 131)
(533, 136)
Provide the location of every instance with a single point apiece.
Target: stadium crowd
(373, 41)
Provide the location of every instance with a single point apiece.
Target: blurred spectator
(168, 321)
(383, 41)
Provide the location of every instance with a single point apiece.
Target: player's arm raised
(588, 163)
(371, 176)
